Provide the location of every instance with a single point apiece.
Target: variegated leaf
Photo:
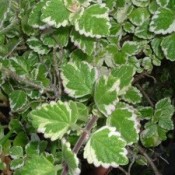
(54, 119)
(162, 3)
(78, 78)
(93, 21)
(106, 148)
(54, 13)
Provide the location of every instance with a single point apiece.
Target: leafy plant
(70, 72)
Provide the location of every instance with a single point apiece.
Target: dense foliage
(82, 80)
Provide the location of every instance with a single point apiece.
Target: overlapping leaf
(93, 21)
(106, 148)
(38, 165)
(125, 120)
(78, 78)
(106, 94)
(86, 44)
(70, 159)
(54, 119)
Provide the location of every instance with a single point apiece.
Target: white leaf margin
(77, 171)
(89, 34)
(69, 91)
(89, 152)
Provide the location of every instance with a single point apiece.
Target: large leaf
(106, 148)
(54, 119)
(70, 159)
(106, 94)
(18, 100)
(38, 165)
(86, 44)
(125, 120)
(163, 21)
(163, 113)
(78, 78)
(168, 47)
(54, 13)
(93, 21)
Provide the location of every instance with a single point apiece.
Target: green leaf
(18, 100)
(86, 44)
(146, 112)
(78, 78)
(130, 47)
(106, 148)
(138, 16)
(17, 163)
(38, 165)
(36, 45)
(125, 120)
(93, 21)
(56, 38)
(34, 17)
(168, 46)
(132, 95)
(163, 21)
(70, 159)
(106, 94)
(150, 136)
(54, 119)
(162, 3)
(54, 13)
(164, 111)
(4, 10)
(141, 3)
(16, 152)
(125, 74)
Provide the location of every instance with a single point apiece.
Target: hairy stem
(13, 75)
(82, 139)
(153, 166)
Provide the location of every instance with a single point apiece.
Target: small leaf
(54, 13)
(17, 163)
(138, 16)
(106, 94)
(16, 152)
(146, 112)
(93, 21)
(54, 119)
(36, 45)
(86, 44)
(18, 100)
(78, 78)
(132, 95)
(150, 137)
(106, 148)
(130, 47)
(168, 46)
(163, 21)
(38, 165)
(125, 120)
(70, 159)
(162, 3)
(141, 3)
(164, 111)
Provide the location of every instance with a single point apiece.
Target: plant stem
(145, 95)
(154, 168)
(81, 140)
(25, 81)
